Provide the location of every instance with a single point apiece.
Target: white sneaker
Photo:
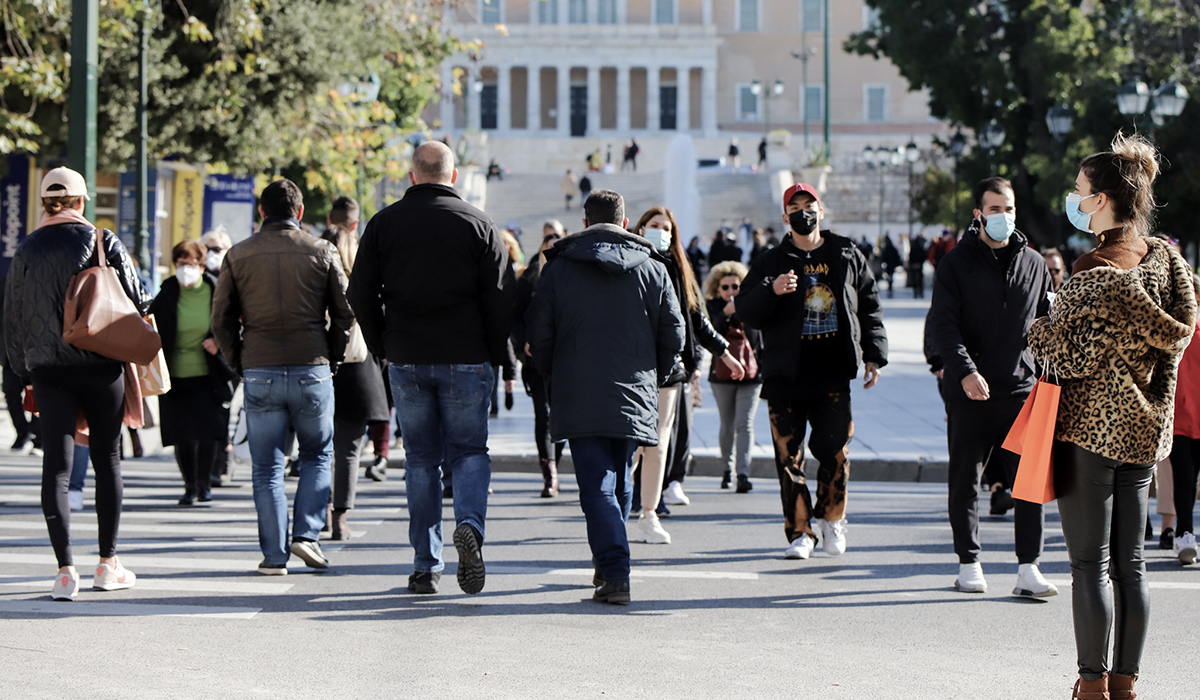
(113, 578)
(66, 587)
(650, 530)
(833, 536)
(1185, 548)
(1031, 583)
(75, 500)
(801, 547)
(673, 495)
(970, 578)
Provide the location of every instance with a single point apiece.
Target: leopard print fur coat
(1114, 337)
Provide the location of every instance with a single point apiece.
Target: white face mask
(659, 238)
(188, 275)
(213, 261)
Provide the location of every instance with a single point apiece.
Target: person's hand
(736, 370)
(509, 384)
(870, 375)
(940, 373)
(785, 283)
(729, 309)
(210, 346)
(976, 387)
(527, 352)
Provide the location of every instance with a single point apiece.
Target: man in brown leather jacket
(274, 295)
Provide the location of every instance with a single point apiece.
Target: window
(812, 15)
(748, 15)
(489, 11)
(875, 103)
(577, 11)
(547, 11)
(747, 104)
(870, 17)
(607, 11)
(664, 11)
(812, 104)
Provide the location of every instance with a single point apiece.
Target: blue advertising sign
(14, 208)
(127, 209)
(229, 203)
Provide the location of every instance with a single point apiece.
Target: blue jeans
(603, 469)
(300, 396)
(443, 414)
(79, 468)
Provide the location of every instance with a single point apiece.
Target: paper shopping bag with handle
(1032, 436)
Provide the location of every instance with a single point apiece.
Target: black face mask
(803, 221)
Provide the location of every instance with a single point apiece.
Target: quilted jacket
(36, 292)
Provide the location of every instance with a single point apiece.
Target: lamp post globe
(912, 152)
(1132, 97)
(1169, 99)
(992, 135)
(756, 88)
(869, 155)
(778, 87)
(958, 144)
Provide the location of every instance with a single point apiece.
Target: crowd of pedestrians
(326, 334)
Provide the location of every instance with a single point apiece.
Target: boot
(328, 518)
(341, 528)
(550, 474)
(1091, 690)
(1121, 687)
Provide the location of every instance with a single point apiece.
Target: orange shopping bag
(1032, 437)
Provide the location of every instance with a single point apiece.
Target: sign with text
(187, 218)
(229, 203)
(15, 189)
(127, 214)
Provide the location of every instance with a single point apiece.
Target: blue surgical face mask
(659, 238)
(1079, 219)
(1000, 226)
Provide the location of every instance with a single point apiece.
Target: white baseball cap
(64, 178)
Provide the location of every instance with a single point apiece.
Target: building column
(533, 99)
(563, 11)
(564, 100)
(446, 102)
(504, 99)
(622, 11)
(593, 101)
(593, 12)
(707, 11)
(623, 97)
(652, 95)
(473, 120)
(683, 99)
(708, 100)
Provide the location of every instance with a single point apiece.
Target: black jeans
(536, 387)
(61, 393)
(197, 463)
(1184, 455)
(1103, 504)
(974, 432)
(348, 439)
(832, 427)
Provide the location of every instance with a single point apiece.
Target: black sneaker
(471, 572)
(726, 479)
(424, 582)
(612, 592)
(188, 498)
(1002, 502)
(597, 581)
(744, 485)
(20, 443)
(1167, 540)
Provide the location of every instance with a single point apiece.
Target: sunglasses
(1056, 272)
(727, 287)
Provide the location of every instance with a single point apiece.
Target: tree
(1013, 60)
(30, 56)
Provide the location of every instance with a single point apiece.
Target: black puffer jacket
(604, 327)
(36, 293)
(698, 333)
(780, 317)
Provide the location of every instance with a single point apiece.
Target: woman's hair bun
(1135, 150)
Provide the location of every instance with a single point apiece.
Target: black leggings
(1184, 453)
(348, 439)
(540, 393)
(99, 393)
(1103, 504)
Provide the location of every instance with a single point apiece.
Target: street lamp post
(81, 146)
(756, 88)
(958, 144)
(141, 231)
(803, 55)
(361, 92)
(881, 157)
(911, 153)
(1169, 100)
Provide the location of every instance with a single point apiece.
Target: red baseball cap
(797, 189)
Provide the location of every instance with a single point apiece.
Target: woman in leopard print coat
(1114, 337)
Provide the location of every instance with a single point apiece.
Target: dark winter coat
(359, 394)
(698, 333)
(435, 266)
(165, 307)
(780, 318)
(980, 316)
(720, 324)
(604, 327)
(36, 294)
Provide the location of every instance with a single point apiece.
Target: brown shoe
(1121, 687)
(550, 474)
(341, 528)
(1091, 690)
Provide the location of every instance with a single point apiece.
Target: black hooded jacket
(604, 328)
(981, 314)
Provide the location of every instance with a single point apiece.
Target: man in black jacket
(815, 337)
(986, 293)
(428, 290)
(606, 329)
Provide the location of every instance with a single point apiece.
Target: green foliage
(32, 68)
(935, 199)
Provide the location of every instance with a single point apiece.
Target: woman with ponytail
(1114, 338)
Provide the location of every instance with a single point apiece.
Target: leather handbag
(739, 347)
(99, 317)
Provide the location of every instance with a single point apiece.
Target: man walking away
(814, 341)
(986, 293)
(762, 152)
(605, 328)
(269, 318)
(428, 289)
(918, 250)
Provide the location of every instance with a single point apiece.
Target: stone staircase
(529, 200)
